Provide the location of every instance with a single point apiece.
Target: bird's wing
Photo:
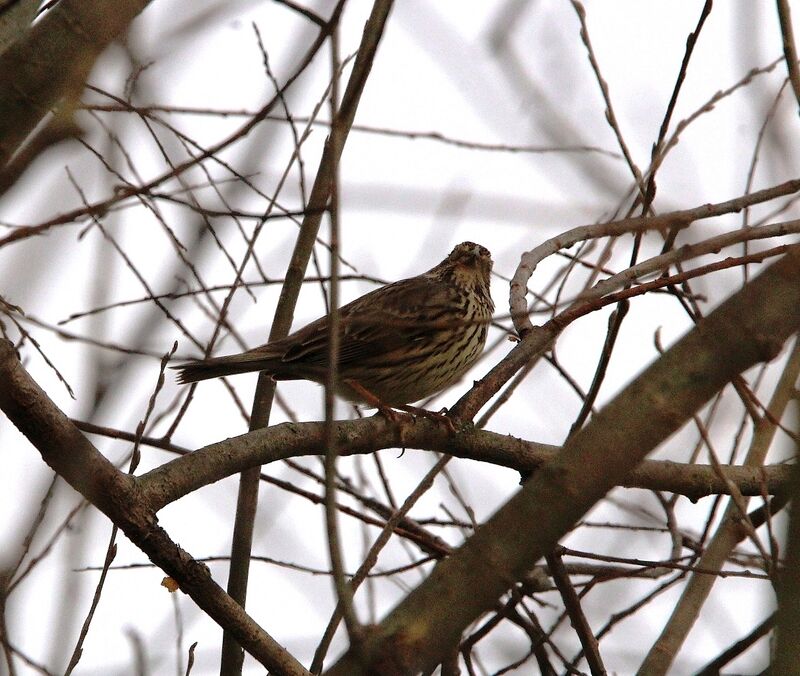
(373, 325)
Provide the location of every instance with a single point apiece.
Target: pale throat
(466, 276)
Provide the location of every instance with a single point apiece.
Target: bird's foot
(440, 417)
(398, 417)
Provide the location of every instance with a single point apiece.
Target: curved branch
(190, 472)
(672, 220)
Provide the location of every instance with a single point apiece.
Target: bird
(400, 343)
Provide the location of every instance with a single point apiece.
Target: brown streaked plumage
(402, 342)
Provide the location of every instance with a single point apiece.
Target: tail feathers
(192, 371)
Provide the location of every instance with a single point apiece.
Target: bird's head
(467, 264)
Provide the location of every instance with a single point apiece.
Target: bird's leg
(371, 400)
(392, 412)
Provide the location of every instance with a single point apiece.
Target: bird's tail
(192, 371)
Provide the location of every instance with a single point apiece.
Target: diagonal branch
(48, 66)
(728, 534)
(116, 494)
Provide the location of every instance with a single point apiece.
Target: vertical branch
(647, 197)
(232, 656)
(344, 593)
(787, 654)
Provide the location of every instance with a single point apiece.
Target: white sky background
(491, 72)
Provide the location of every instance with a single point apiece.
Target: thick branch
(50, 64)
(179, 477)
